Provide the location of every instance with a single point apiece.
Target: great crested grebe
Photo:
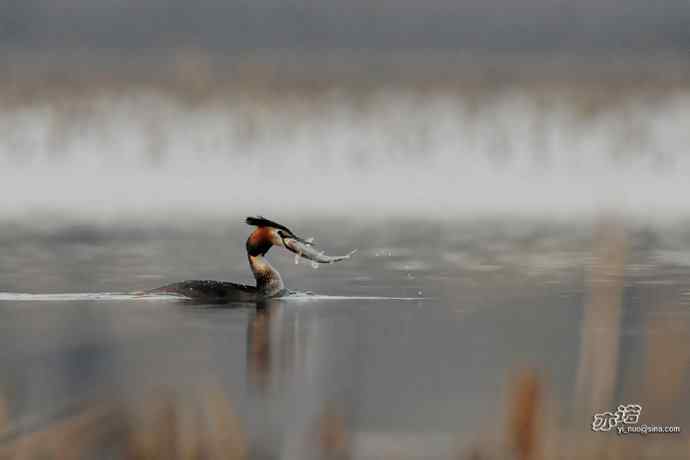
(269, 284)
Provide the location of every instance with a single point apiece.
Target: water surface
(480, 301)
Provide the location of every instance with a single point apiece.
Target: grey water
(481, 300)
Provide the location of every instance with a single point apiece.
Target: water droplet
(314, 265)
(390, 253)
(419, 292)
(410, 276)
(310, 240)
(297, 258)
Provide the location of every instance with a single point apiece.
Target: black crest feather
(260, 221)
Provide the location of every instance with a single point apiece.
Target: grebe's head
(269, 233)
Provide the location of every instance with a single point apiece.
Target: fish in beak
(307, 250)
(283, 236)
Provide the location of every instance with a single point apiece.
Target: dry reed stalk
(524, 410)
(333, 439)
(4, 414)
(667, 362)
(597, 371)
(225, 440)
(153, 430)
(66, 439)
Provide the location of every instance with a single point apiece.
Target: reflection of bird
(269, 284)
(259, 347)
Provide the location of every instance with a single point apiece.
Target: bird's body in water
(269, 283)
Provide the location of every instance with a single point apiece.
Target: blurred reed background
(122, 116)
(425, 135)
(437, 134)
